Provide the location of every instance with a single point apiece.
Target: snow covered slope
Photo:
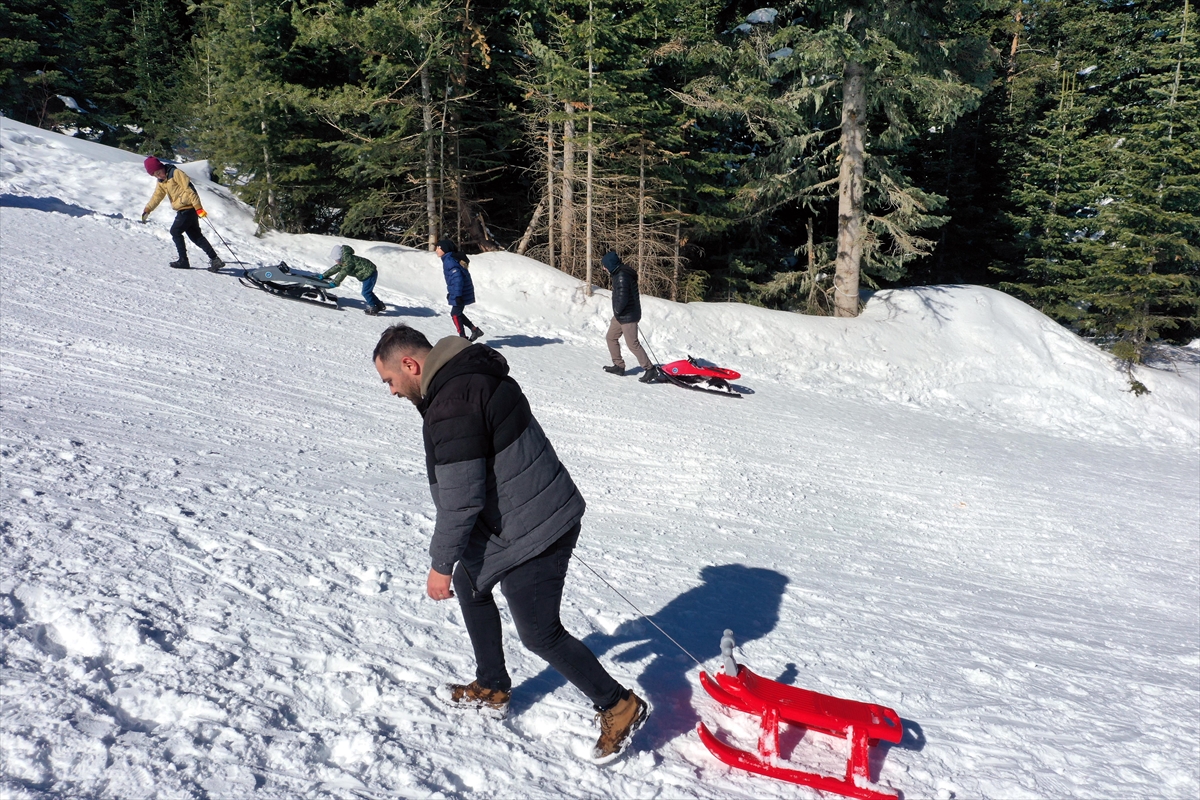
(215, 519)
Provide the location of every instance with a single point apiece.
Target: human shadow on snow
(391, 310)
(745, 599)
(52, 204)
(517, 340)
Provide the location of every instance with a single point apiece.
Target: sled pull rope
(653, 356)
(640, 612)
(222, 238)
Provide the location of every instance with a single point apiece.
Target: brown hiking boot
(617, 726)
(492, 701)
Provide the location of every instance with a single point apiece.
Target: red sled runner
(863, 724)
(690, 374)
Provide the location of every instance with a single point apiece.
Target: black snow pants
(534, 593)
(188, 221)
(460, 322)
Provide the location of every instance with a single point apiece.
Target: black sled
(280, 280)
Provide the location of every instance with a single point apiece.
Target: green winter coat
(351, 266)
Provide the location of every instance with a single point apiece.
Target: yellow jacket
(178, 187)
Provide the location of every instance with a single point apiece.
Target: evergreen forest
(788, 156)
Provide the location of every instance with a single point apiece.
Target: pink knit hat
(153, 165)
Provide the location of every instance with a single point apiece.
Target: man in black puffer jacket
(508, 513)
(627, 312)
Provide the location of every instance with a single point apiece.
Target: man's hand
(145, 214)
(437, 586)
(200, 212)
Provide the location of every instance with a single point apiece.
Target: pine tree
(253, 76)
(618, 174)
(1109, 195)
(829, 98)
(1145, 276)
(156, 50)
(31, 50)
(241, 54)
(380, 109)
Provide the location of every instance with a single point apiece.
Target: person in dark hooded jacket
(460, 289)
(508, 515)
(627, 312)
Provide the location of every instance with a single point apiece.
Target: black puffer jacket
(627, 303)
(502, 495)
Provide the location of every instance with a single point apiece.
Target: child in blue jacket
(460, 291)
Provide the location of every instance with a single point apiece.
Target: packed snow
(215, 522)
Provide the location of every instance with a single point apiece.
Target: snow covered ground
(215, 521)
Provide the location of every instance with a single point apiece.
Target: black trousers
(188, 221)
(460, 319)
(534, 593)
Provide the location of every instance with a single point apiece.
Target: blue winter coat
(460, 291)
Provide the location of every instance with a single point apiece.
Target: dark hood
(474, 359)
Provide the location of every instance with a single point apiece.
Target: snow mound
(949, 349)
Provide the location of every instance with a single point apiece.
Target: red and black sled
(862, 724)
(690, 374)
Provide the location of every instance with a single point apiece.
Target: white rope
(639, 611)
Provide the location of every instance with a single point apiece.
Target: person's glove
(457, 301)
(200, 212)
(145, 216)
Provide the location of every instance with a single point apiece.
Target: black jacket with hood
(626, 302)
(502, 495)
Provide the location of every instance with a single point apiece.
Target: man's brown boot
(617, 726)
(494, 702)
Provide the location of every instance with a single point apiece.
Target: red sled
(863, 724)
(690, 368)
(691, 374)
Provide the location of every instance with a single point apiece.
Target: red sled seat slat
(833, 715)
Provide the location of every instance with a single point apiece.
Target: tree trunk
(1178, 73)
(850, 191)
(442, 154)
(456, 176)
(591, 151)
(271, 215)
(676, 274)
(641, 228)
(811, 305)
(1012, 58)
(567, 214)
(588, 235)
(550, 183)
(537, 215)
(430, 197)
(262, 119)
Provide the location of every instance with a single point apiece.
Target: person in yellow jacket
(174, 183)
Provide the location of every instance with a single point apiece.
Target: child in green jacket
(346, 264)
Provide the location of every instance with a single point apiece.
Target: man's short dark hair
(400, 339)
